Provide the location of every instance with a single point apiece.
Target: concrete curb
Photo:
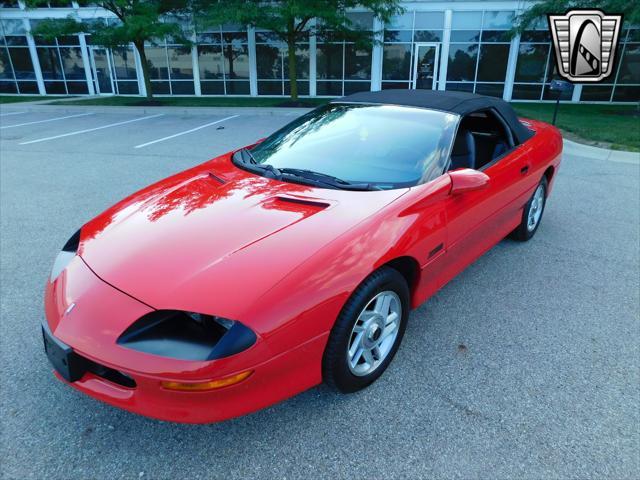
(38, 107)
(597, 153)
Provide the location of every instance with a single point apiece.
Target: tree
(291, 20)
(139, 21)
(630, 10)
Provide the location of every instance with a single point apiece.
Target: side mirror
(467, 180)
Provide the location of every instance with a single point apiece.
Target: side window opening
(482, 137)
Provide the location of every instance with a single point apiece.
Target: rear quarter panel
(545, 152)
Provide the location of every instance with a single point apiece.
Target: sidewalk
(587, 151)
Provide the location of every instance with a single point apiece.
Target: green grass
(21, 98)
(192, 101)
(611, 126)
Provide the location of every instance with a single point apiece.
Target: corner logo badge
(585, 44)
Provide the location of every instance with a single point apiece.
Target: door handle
(524, 170)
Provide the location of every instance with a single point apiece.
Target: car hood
(215, 238)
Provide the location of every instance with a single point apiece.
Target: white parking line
(11, 113)
(92, 129)
(47, 120)
(185, 132)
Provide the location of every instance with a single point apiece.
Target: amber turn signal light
(212, 385)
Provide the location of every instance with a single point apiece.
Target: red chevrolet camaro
(293, 261)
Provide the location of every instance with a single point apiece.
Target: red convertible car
(293, 261)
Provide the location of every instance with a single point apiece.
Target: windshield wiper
(308, 176)
(260, 166)
(326, 179)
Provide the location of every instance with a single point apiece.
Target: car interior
(481, 139)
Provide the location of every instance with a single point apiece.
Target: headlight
(66, 255)
(187, 336)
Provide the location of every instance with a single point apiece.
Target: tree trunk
(145, 69)
(293, 74)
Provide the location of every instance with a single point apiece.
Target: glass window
(465, 36)
(333, 89)
(318, 141)
(398, 35)
(361, 20)
(28, 87)
(211, 62)
(492, 66)
(626, 94)
(466, 21)
(8, 86)
(16, 40)
(50, 63)
(237, 87)
(596, 93)
(161, 87)
(396, 64)
(55, 88)
(127, 87)
(124, 63)
(329, 61)
(429, 21)
(72, 64)
(496, 36)
(180, 62)
(212, 87)
(532, 61)
(389, 85)
(182, 87)
(77, 88)
(357, 62)
(303, 87)
(427, 36)
(462, 61)
(354, 87)
(497, 20)
(269, 61)
(460, 86)
(401, 22)
(630, 65)
(541, 36)
(526, 92)
(272, 60)
(5, 66)
(490, 89)
(236, 56)
(12, 26)
(157, 59)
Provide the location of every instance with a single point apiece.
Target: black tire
(522, 233)
(335, 369)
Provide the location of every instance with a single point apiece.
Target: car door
(479, 219)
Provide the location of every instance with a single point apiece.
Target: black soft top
(461, 103)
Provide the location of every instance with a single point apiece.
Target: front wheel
(368, 331)
(532, 213)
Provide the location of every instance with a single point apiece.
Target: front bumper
(88, 315)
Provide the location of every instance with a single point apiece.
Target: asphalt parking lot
(527, 365)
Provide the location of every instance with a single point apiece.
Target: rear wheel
(368, 331)
(532, 213)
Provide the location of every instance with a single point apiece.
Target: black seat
(463, 154)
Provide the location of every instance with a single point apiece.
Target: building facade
(435, 45)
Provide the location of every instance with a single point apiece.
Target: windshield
(383, 146)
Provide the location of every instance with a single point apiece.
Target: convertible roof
(461, 103)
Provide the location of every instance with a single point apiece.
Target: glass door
(425, 65)
(101, 67)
